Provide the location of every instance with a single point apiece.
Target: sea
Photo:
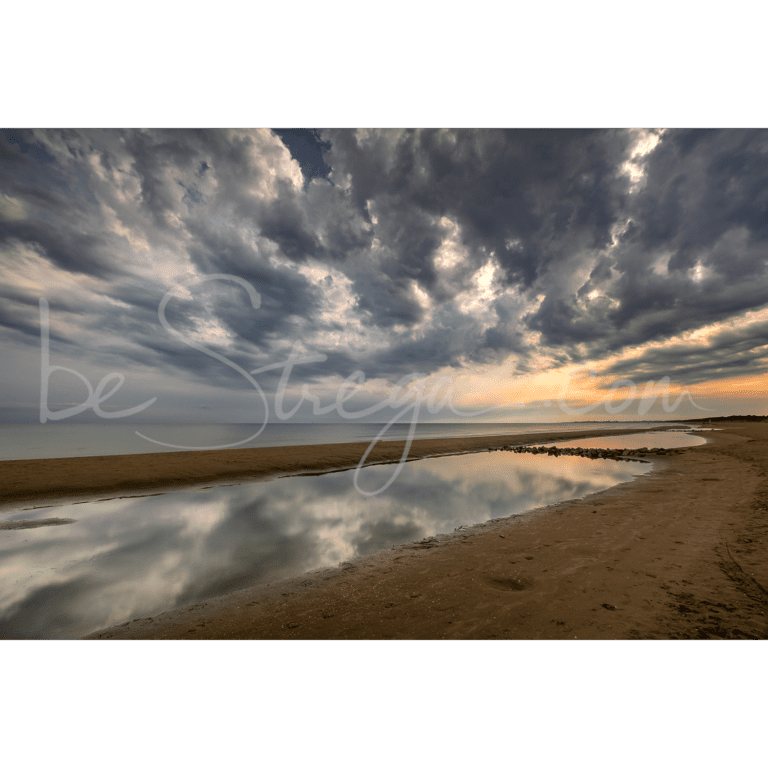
(52, 441)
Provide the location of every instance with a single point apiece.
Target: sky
(522, 275)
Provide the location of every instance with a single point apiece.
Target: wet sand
(50, 480)
(677, 553)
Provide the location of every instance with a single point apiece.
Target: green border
(87, 64)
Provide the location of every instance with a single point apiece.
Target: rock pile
(617, 454)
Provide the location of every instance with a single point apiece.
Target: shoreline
(64, 479)
(675, 553)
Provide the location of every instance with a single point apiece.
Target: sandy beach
(51, 480)
(676, 553)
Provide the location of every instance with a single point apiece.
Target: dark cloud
(18, 147)
(530, 200)
(389, 251)
(285, 223)
(503, 187)
(733, 352)
(74, 251)
(694, 253)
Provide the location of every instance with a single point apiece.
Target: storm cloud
(386, 251)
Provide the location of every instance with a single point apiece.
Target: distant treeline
(732, 418)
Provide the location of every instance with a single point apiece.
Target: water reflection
(132, 557)
(670, 439)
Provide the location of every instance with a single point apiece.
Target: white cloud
(12, 208)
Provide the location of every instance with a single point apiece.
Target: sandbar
(52, 480)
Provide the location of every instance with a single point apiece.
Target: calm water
(646, 440)
(49, 441)
(132, 557)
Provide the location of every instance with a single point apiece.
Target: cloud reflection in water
(132, 557)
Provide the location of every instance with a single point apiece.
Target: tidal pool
(670, 439)
(130, 557)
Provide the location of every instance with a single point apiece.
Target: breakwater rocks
(617, 454)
